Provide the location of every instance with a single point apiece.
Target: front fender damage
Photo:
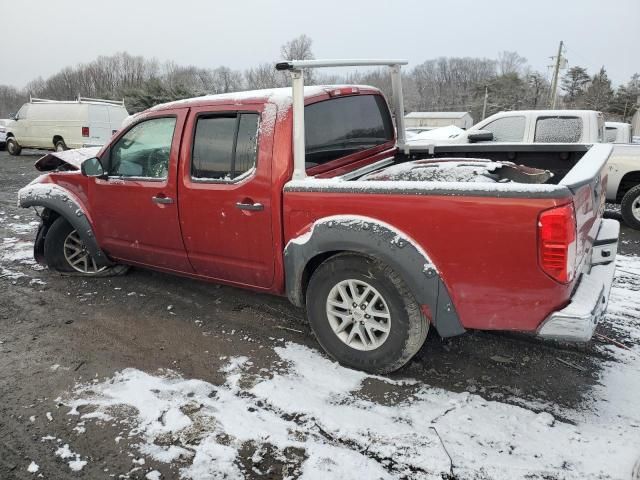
(61, 201)
(379, 240)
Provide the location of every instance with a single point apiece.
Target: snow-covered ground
(310, 405)
(311, 414)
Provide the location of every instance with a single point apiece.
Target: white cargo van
(60, 125)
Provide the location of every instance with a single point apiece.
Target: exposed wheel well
(313, 264)
(57, 138)
(629, 181)
(48, 216)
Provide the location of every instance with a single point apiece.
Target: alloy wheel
(358, 314)
(77, 255)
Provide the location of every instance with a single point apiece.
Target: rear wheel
(60, 146)
(13, 147)
(64, 251)
(364, 315)
(630, 207)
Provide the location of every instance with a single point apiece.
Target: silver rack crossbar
(77, 100)
(100, 100)
(296, 68)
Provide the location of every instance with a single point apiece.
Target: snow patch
(65, 453)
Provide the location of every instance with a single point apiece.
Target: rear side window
(224, 147)
(611, 134)
(507, 129)
(558, 130)
(342, 126)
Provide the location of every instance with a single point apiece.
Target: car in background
(411, 132)
(617, 132)
(3, 131)
(60, 125)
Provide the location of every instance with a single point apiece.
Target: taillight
(85, 131)
(557, 242)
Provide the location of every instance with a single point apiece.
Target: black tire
(13, 147)
(60, 146)
(408, 326)
(631, 202)
(54, 247)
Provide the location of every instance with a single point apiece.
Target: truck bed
(481, 233)
(559, 159)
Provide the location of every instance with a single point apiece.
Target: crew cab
(572, 126)
(307, 192)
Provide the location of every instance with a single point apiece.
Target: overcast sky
(43, 36)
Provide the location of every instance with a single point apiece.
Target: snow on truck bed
(442, 175)
(446, 171)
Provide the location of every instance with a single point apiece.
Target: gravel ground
(57, 331)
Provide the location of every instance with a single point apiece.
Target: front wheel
(65, 252)
(364, 315)
(630, 207)
(60, 146)
(13, 147)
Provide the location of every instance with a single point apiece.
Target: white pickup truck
(568, 126)
(617, 132)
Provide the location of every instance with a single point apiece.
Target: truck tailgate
(587, 181)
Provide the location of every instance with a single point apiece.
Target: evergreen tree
(599, 93)
(574, 83)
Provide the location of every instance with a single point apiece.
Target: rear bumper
(577, 321)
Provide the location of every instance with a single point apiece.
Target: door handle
(161, 200)
(254, 207)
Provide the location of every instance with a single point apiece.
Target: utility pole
(484, 107)
(556, 74)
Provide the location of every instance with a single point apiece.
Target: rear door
(99, 125)
(225, 195)
(135, 210)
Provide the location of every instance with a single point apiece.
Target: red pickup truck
(307, 192)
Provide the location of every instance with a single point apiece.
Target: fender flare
(379, 240)
(65, 204)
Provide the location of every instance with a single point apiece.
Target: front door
(225, 195)
(135, 209)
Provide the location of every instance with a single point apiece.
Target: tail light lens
(85, 131)
(557, 242)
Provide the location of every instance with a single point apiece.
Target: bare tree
(264, 76)
(510, 62)
(299, 48)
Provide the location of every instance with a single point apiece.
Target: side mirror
(92, 167)
(480, 136)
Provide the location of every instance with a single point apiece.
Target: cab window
(558, 130)
(224, 146)
(144, 150)
(345, 125)
(507, 129)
